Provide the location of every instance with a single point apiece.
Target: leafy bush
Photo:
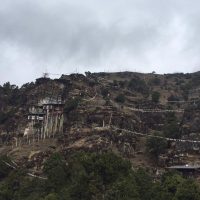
(188, 189)
(155, 81)
(155, 97)
(120, 98)
(51, 196)
(171, 127)
(71, 105)
(138, 85)
(4, 169)
(156, 146)
(173, 98)
(88, 176)
(122, 84)
(92, 82)
(104, 92)
(171, 130)
(56, 170)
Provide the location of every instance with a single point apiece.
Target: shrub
(71, 105)
(120, 98)
(96, 176)
(173, 98)
(155, 81)
(171, 130)
(155, 97)
(156, 146)
(4, 169)
(188, 190)
(56, 170)
(104, 92)
(138, 85)
(171, 127)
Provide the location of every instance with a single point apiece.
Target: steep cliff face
(102, 112)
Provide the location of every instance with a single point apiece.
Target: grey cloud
(91, 35)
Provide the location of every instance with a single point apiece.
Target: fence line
(155, 136)
(155, 110)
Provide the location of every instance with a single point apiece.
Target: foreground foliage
(94, 176)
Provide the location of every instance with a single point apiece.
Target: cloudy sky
(65, 36)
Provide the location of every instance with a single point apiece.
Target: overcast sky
(65, 36)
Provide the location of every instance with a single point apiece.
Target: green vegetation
(138, 85)
(4, 169)
(155, 81)
(11, 95)
(173, 98)
(71, 105)
(102, 176)
(155, 97)
(156, 146)
(94, 176)
(171, 130)
(185, 90)
(104, 92)
(120, 98)
(171, 127)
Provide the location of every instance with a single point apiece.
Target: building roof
(51, 101)
(184, 167)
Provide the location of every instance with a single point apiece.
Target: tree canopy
(86, 176)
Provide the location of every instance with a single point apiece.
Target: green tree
(120, 98)
(71, 105)
(144, 183)
(56, 170)
(188, 190)
(158, 193)
(138, 85)
(4, 169)
(155, 81)
(51, 196)
(104, 92)
(125, 189)
(171, 127)
(155, 97)
(171, 182)
(171, 130)
(156, 146)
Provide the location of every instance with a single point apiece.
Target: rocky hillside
(151, 119)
